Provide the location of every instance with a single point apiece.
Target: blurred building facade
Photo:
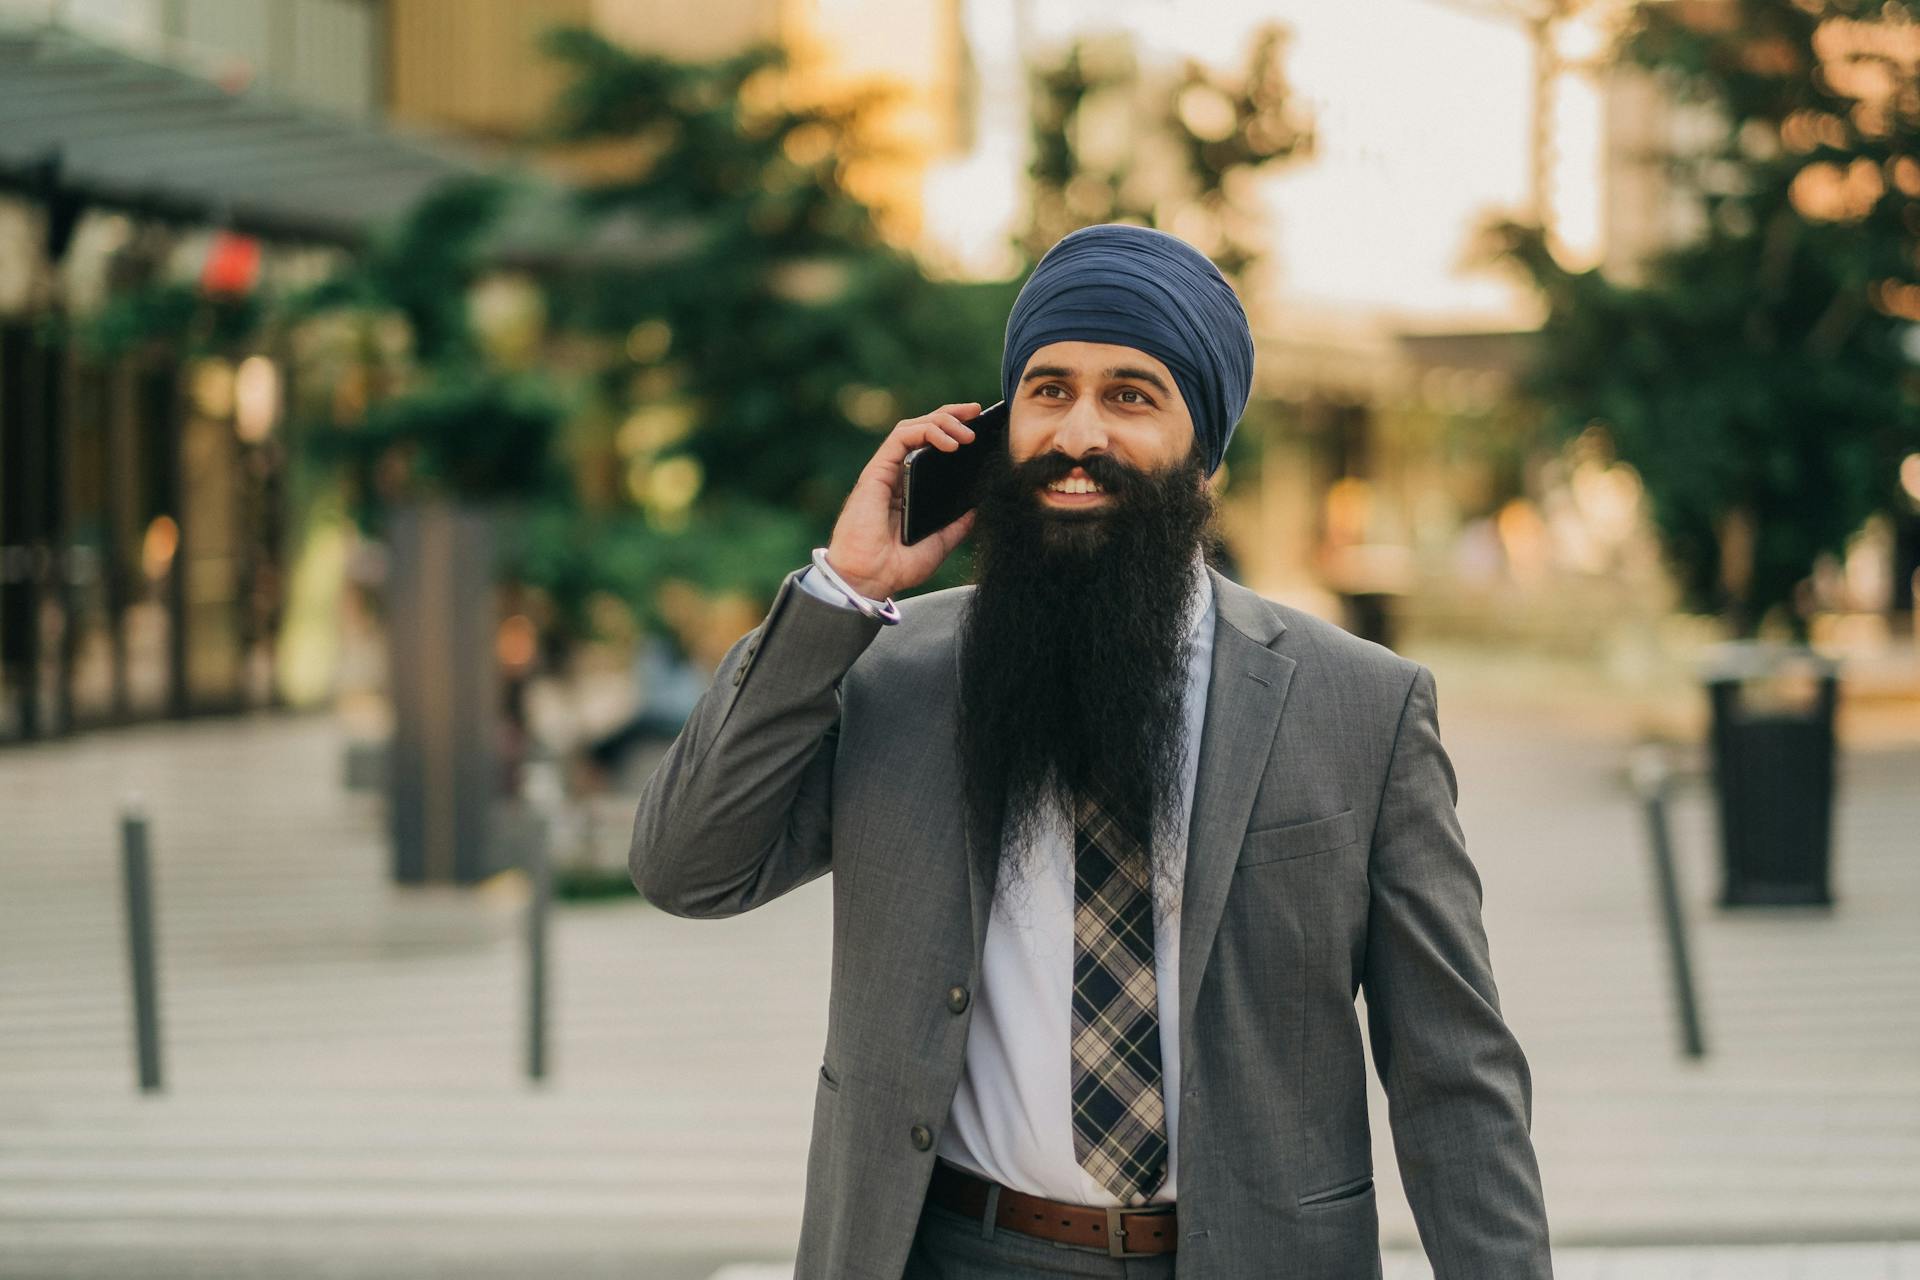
(144, 513)
(151, 504)
(1405, 490)
(475, 67)
(177, 159)
(327, 54)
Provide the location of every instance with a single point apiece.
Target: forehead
(1094, 359)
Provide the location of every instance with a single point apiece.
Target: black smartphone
(939, 486)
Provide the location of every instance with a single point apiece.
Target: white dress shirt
(1012, 1113)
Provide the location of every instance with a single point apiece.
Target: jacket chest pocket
(1299, 839)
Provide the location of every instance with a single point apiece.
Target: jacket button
(957, 999)
(922, 1137)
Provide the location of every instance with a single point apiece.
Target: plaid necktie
(1119, 1115)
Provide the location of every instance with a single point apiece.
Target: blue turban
(1141, 288)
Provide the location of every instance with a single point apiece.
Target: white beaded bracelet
(885, 610)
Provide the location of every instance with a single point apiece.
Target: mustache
(1116, 477)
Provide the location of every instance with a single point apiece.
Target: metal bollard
(1651, 779)
(540, 873)
(136, 875)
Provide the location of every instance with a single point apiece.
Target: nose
(1081, 431)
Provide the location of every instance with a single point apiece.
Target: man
(1115, 842)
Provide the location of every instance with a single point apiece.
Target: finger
(967, 410)
(945, 423)
(884, 467)
(907, 435)
(891, 450)
(943, 430)
(946, 436)
(953, 426)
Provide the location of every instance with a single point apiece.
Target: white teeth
(1074, 486)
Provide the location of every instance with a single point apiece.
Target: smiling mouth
(1075, 487)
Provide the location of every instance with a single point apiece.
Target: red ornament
(232, 266)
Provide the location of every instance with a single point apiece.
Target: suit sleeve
(739, 810)
(1458, 1089)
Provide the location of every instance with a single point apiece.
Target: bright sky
(1422, 113)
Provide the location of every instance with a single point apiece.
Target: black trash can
(1773, 754)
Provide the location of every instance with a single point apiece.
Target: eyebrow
(1118, 371)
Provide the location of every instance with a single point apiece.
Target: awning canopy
(82, 120)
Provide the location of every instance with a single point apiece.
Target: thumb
(949, 538)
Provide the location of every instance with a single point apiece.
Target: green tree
(1114, 143)
(761, 353)
(436, 419)
(1759, 376)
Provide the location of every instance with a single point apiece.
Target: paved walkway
(343, 1056)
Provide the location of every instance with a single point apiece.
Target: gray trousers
(949, 1246)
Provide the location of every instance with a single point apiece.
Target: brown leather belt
(1121, 1233)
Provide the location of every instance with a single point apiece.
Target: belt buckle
(1117, 1232)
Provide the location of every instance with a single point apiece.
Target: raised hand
(865, 548)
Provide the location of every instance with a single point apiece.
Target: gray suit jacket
(1324, 856)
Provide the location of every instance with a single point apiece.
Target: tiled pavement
(343, 1055)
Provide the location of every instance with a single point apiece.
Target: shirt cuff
(810, 582)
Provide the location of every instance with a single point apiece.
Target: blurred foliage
(1113, 145)
(421, 269)
(176, 313)
(473, 435)
(736, 379)
(439, 422)
(756, 365)
(1758, 377)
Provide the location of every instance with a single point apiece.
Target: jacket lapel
(1245, 696)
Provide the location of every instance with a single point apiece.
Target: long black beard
(1074, 654)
